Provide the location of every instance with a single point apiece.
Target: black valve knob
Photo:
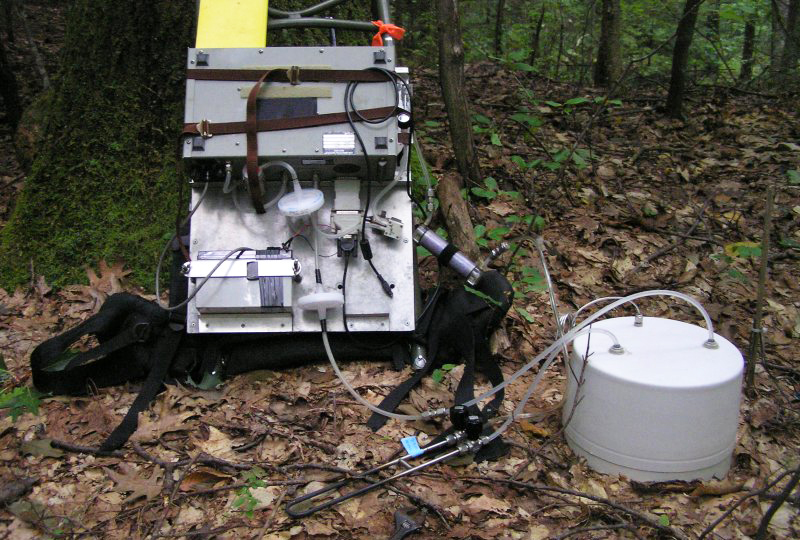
(474, 427)
(458, 417)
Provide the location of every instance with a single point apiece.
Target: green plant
(244, 498)
(18, 400)
(485, 125)
(794, 177)
(438, 374)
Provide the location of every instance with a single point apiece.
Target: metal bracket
(293, 74)
(204, 128)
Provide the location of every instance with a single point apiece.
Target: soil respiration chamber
(660, 404)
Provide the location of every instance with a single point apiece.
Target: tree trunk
(103, 185)
(451, 78)
(607, 69)
(680, 58)
(712, 26)
(8, 19)
(456, 215)
(9, 90)
(536, 34)
(777, 38)
(746, 73)
(791, 45)
(498, 28)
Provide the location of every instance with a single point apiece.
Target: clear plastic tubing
(603, 299)
(569, 336)
(356, 395)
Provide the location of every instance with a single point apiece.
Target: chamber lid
(660, 353)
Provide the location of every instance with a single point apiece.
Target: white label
(339, 143)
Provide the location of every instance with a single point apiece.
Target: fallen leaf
(533, 429)
(41, 447)
(131, 481)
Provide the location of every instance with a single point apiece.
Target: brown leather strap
(251, 129)
(283, 75)
(279, 124)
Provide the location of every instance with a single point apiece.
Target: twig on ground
(639, 516)
(761, 534)
(737, 504)
(171, 497)
(69, 447)
(613, 527)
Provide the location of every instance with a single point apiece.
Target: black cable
(352, 338)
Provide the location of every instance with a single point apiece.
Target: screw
(406, 323)
(391, 140)
(239, 89)
(283, 150)
(316, 150)
(405, 240)
(616, 349)
(321, 51)
(191, 61)
(237, 143)
(243, 325)
(193, 325)
(260, 51)
(188, 142)
(194, 242)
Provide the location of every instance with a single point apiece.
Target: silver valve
(447, 254)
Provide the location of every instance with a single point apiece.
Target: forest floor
(649, 203)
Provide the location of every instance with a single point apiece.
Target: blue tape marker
(411, 445)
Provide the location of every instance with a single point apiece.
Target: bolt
(239, 89)
(616, 349)
(321, 51)
(711, 344)
(260, 51)
(188, 142)
(638, 320)
(191, 61)
(316, 150)
(237, 143)
(243, 325)
(283, 150)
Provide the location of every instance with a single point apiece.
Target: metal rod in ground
(757, 332)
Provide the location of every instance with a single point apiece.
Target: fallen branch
(639, 516)
(776, 504)
(737, 504)
(69, 447)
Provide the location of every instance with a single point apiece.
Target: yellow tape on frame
(232, 23)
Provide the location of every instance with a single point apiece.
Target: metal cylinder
(447, 254)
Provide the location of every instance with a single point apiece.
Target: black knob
(474, 427)
(458, 417)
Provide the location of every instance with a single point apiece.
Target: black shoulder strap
(166, 347)
(123, 320)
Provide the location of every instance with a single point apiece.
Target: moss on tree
(102, 185)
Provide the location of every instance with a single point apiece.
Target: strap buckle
(204, 128)
(293, 74)
(142, 332)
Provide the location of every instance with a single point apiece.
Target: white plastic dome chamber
(667, 408)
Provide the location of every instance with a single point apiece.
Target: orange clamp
(394, 31)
